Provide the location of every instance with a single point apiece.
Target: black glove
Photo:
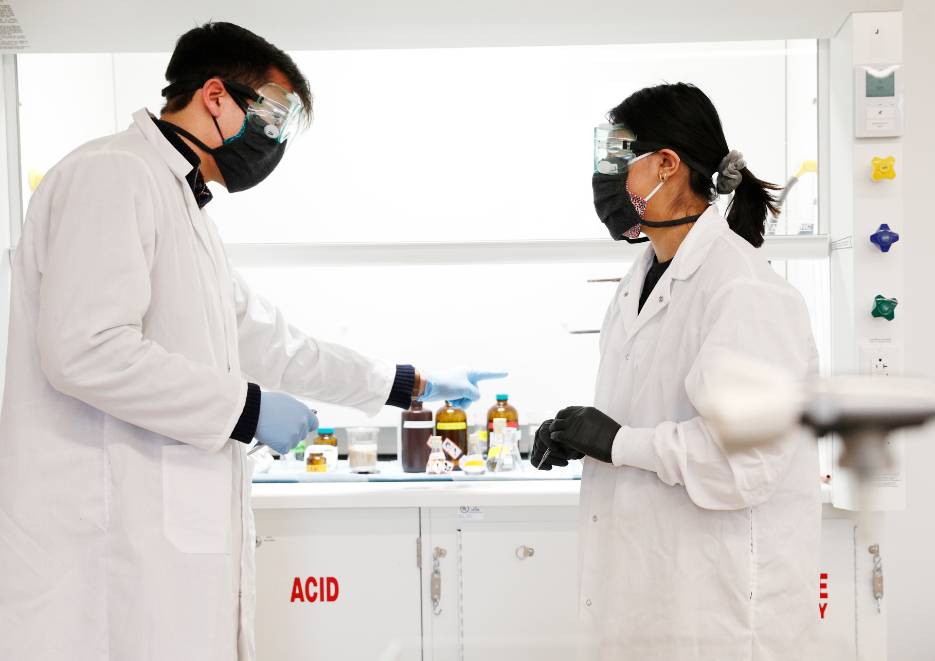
(559, 455)
(586, 430)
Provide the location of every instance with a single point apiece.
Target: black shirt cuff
(401, 394)
(245, 429)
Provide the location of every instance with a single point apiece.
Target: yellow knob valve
(883, 168)
(34, 177)
(807, 166)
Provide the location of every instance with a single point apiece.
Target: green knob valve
(884, 307)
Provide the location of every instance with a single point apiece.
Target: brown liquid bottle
(503, 410)
(416, 431)
(451, 423)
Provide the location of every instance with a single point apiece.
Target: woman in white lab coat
(688, 552)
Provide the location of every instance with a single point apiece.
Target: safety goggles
(272, 108)
(278, 112)
(616, 149)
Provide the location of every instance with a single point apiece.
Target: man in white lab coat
(126, 531)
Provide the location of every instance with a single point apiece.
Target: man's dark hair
(230, 52)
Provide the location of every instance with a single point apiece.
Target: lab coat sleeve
(768, 323)
(94, 294)
(281, 357)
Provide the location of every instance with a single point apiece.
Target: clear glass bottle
(451, 423)
(509, 458)
(417, 428)
(503, 409)
(362, 449)
(495, 444)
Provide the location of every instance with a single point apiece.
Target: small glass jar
(316, 462)
(326, 437)
(362, 449)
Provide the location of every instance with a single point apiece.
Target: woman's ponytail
(746, 213)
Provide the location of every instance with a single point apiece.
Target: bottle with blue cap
(326, 437)
(503, 409)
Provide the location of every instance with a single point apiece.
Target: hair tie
(728, 172)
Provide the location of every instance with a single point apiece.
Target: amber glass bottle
(451, 423)
(416, 431)
(326, 437)
(503, 410)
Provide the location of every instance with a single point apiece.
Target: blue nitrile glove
(284, 421)
(458, 386)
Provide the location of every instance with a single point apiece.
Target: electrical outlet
(880, 360)
(880, 365)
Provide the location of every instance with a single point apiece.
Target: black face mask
(616, 209)
(243, 160)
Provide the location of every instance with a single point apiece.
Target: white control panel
(878, 101)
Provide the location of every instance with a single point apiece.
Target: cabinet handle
(437, 555)
(877, 576)
(523, 552)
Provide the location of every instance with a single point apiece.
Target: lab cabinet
(852, 620)
(338, 584)
(482, 572)
(836, 592)
(505, 585)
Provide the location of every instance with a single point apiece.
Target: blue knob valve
(884, 238)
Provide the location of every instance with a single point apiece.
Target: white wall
(910, 555)
(457, 145)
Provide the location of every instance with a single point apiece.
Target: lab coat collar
(690, 255)
(697, 244)
(147, 126)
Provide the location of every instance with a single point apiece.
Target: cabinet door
(519, 590)
(338, 584)
(837, 632)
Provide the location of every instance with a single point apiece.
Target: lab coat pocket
(196, 498)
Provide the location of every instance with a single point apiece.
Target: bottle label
(439, 466)
(511, 424)
(418, 424)
(451, 426)
(451, 449)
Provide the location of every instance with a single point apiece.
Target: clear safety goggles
(616, 148)
(277, 111)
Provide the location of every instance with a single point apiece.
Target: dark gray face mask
(622, 211)
(243, 160)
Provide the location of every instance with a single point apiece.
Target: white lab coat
(126, 531)
(688, 553)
